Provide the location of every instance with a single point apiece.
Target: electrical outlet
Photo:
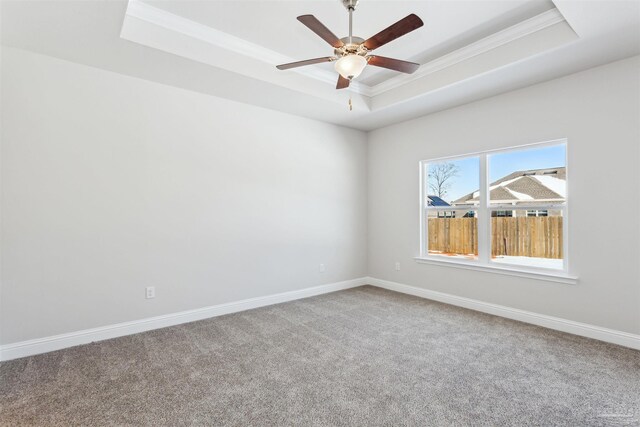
(322, 268)
(150, 292)
(397, 266)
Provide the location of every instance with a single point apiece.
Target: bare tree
(440, 177)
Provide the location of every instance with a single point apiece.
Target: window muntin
(524, 231)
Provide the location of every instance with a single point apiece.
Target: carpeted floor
(364, 356)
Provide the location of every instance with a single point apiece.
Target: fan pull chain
(350, 104)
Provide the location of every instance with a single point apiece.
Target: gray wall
(599, 112)
(111, 184)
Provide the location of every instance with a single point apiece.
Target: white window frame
(484, 209)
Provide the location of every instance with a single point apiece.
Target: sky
(500, 165)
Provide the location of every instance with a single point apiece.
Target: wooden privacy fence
(453, 235)
(539, 237)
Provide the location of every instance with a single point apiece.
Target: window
(446, 214)
(505, 209)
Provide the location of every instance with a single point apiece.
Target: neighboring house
(437, 201)
(522, 188)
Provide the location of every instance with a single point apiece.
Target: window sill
(559, 277)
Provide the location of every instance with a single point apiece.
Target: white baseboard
(583, 329)
(58, 342)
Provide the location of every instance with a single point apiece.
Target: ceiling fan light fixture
(350, 66)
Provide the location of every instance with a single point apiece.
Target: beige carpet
(365, 356)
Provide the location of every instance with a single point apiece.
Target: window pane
(522, 239)
(537, 212)
(453, 234)
(448, 181)
(528, 177)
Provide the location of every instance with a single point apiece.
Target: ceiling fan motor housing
(350, 4)
(356, 47)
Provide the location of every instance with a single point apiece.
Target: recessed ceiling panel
(449, 25)
(468, 49)
(243, 47)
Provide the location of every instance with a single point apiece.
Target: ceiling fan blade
(305, 62)
(393, 64)
(318, 27)
(342, 82)
(399, 29)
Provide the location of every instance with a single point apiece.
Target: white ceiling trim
(243, 47)
(230, 43)
(508, 35)
(187, 27)
(594, 33)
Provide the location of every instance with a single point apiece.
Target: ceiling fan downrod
(351, 6)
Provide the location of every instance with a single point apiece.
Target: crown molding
(220, 39)
(187, 27)
(508, 35)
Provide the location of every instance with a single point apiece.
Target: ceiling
(451, 27)
(468, 49)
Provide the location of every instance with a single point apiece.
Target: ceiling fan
(351, 54)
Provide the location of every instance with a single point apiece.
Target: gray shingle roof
(521, 186)
(534, 188)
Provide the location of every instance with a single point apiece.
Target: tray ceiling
(468, 49)
(273, 24)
